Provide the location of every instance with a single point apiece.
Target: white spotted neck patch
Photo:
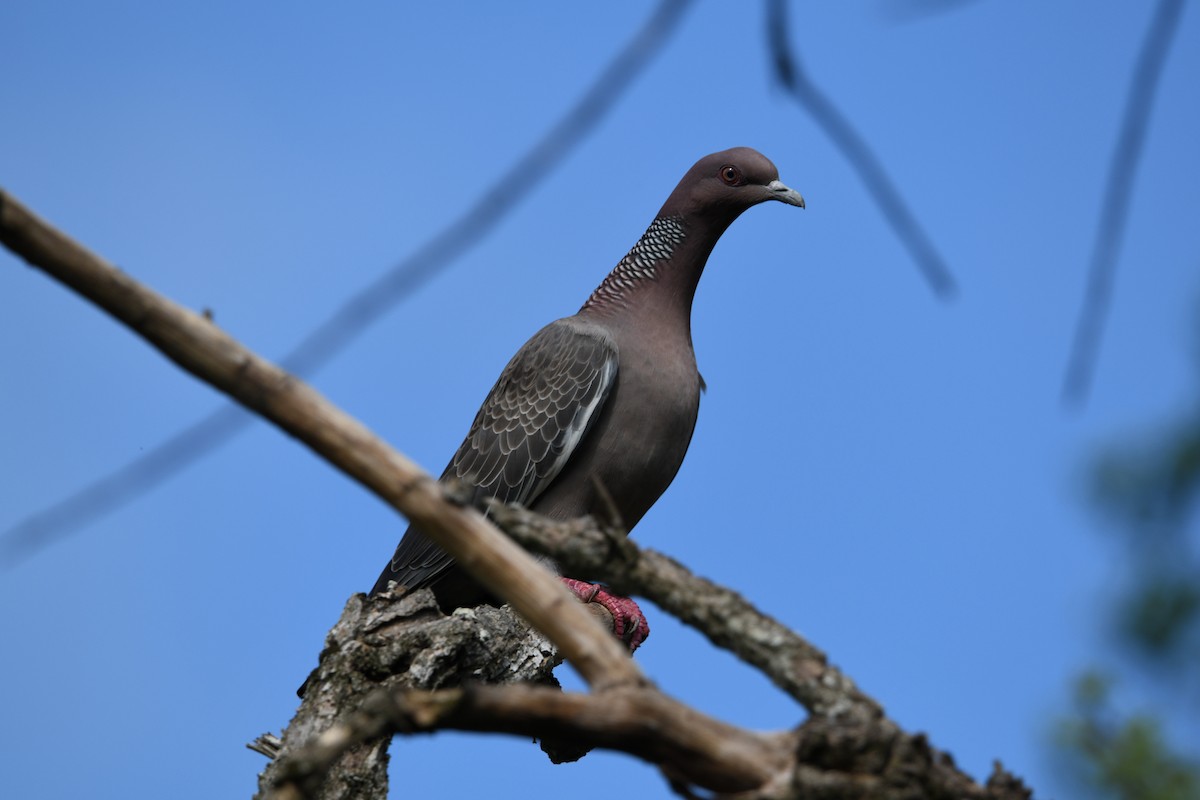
(657, 244)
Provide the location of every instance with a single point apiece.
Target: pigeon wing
(544, 403)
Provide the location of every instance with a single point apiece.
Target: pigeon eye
(731, 175)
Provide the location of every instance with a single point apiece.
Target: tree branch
(197, 345)
(847, 749)
(1118, 196)
(369, 303)
(403, 644)
(641, 721)
(584, 548)
(823, 758)
(790, 72)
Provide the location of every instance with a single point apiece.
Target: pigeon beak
(783, 194)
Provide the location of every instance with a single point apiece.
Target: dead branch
(197, 345)
(848, 749)
(416, 654)
(641, 721)
(465, 231)
(582, 547)
(403, 645)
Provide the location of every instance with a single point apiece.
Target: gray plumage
(608, 396)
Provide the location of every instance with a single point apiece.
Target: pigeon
(595, 413)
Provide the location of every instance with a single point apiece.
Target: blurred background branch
(791, 75)
(1118, 198)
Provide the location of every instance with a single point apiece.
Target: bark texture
(386, 645)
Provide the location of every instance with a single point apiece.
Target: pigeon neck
(664, 264)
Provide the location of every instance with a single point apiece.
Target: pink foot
(629, 623)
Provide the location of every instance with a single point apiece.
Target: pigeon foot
(629, 623)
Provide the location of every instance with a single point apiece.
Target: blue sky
(891, 475)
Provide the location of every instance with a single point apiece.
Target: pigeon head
(668, 259)
(723, 185)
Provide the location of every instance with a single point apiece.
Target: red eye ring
(731, 175)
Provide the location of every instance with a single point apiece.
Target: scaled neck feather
(640, 265)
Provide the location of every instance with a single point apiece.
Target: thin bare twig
(110, 492)
(1118, 194)
(167, 459)
(791, 75)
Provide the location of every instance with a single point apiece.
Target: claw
(630, 632)
(629, 623)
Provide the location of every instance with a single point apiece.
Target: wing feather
(543, 404)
